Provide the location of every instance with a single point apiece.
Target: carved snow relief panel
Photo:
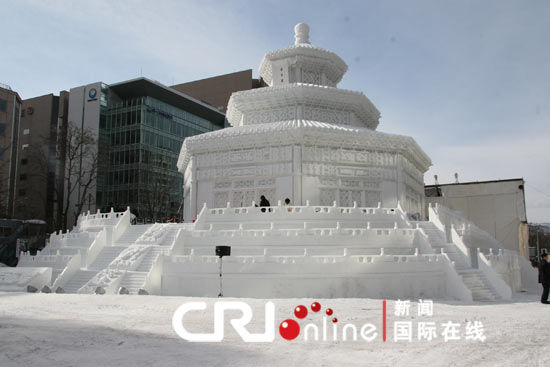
(262, 116)
(311, 77)
(326, 115)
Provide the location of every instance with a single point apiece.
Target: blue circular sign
(92, 93)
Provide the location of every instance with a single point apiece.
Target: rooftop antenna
(436, 181)
(456, 177)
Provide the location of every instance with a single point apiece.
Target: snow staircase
(437, 240)
(78, 280)
(476, 281)
(105, 257)
(149, 259)
(132, 234)
(133, 281)
(170, 236)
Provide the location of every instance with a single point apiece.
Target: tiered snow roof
(302, 83)
(306, 57)
(302, 105)
(302, 132)
(297, 101)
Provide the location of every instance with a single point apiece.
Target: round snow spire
(301, 33)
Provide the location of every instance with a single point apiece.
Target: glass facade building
(141, 130)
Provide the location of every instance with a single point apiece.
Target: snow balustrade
(514, 269)
(323, 236)
(75, 240)
(95, 248)
(72, 267)
(252, 214)
(98, 219)
(251, 222)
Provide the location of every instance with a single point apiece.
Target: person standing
(544, 277)
(287, 203)
(264, 202)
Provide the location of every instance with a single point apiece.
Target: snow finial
(301, 33)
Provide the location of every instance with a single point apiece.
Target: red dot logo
(300, 311)
(329, 311)
(335, 320)
(289, 329)
(315, 307)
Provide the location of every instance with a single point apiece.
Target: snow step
(133, 281)
(170, 236)
(149, 259)
(80, 278)
(132, 234)
(478, 285)
(106, 256)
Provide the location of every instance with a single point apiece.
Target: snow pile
(17, 279)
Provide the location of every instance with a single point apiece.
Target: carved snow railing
(68, 272)
(86, 220)
(99, 243)
(121, 226)
(498, 284)
(292, 213)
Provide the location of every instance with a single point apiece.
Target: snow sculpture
(346, 233)
(304, 139)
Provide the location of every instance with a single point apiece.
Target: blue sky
(469, 80)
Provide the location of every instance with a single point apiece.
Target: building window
(2, 129)
(26, 131)
(25, 146)
(24, 161)
(22, 177)
(3, 105)
(22, 192)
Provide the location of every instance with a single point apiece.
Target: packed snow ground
(93, 330)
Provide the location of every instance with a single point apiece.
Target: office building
(10, 114)
(216, 90)
(36, 169)
(138, 128)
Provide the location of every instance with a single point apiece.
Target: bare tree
(81, 161)
(158, 192)
(76, 161)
